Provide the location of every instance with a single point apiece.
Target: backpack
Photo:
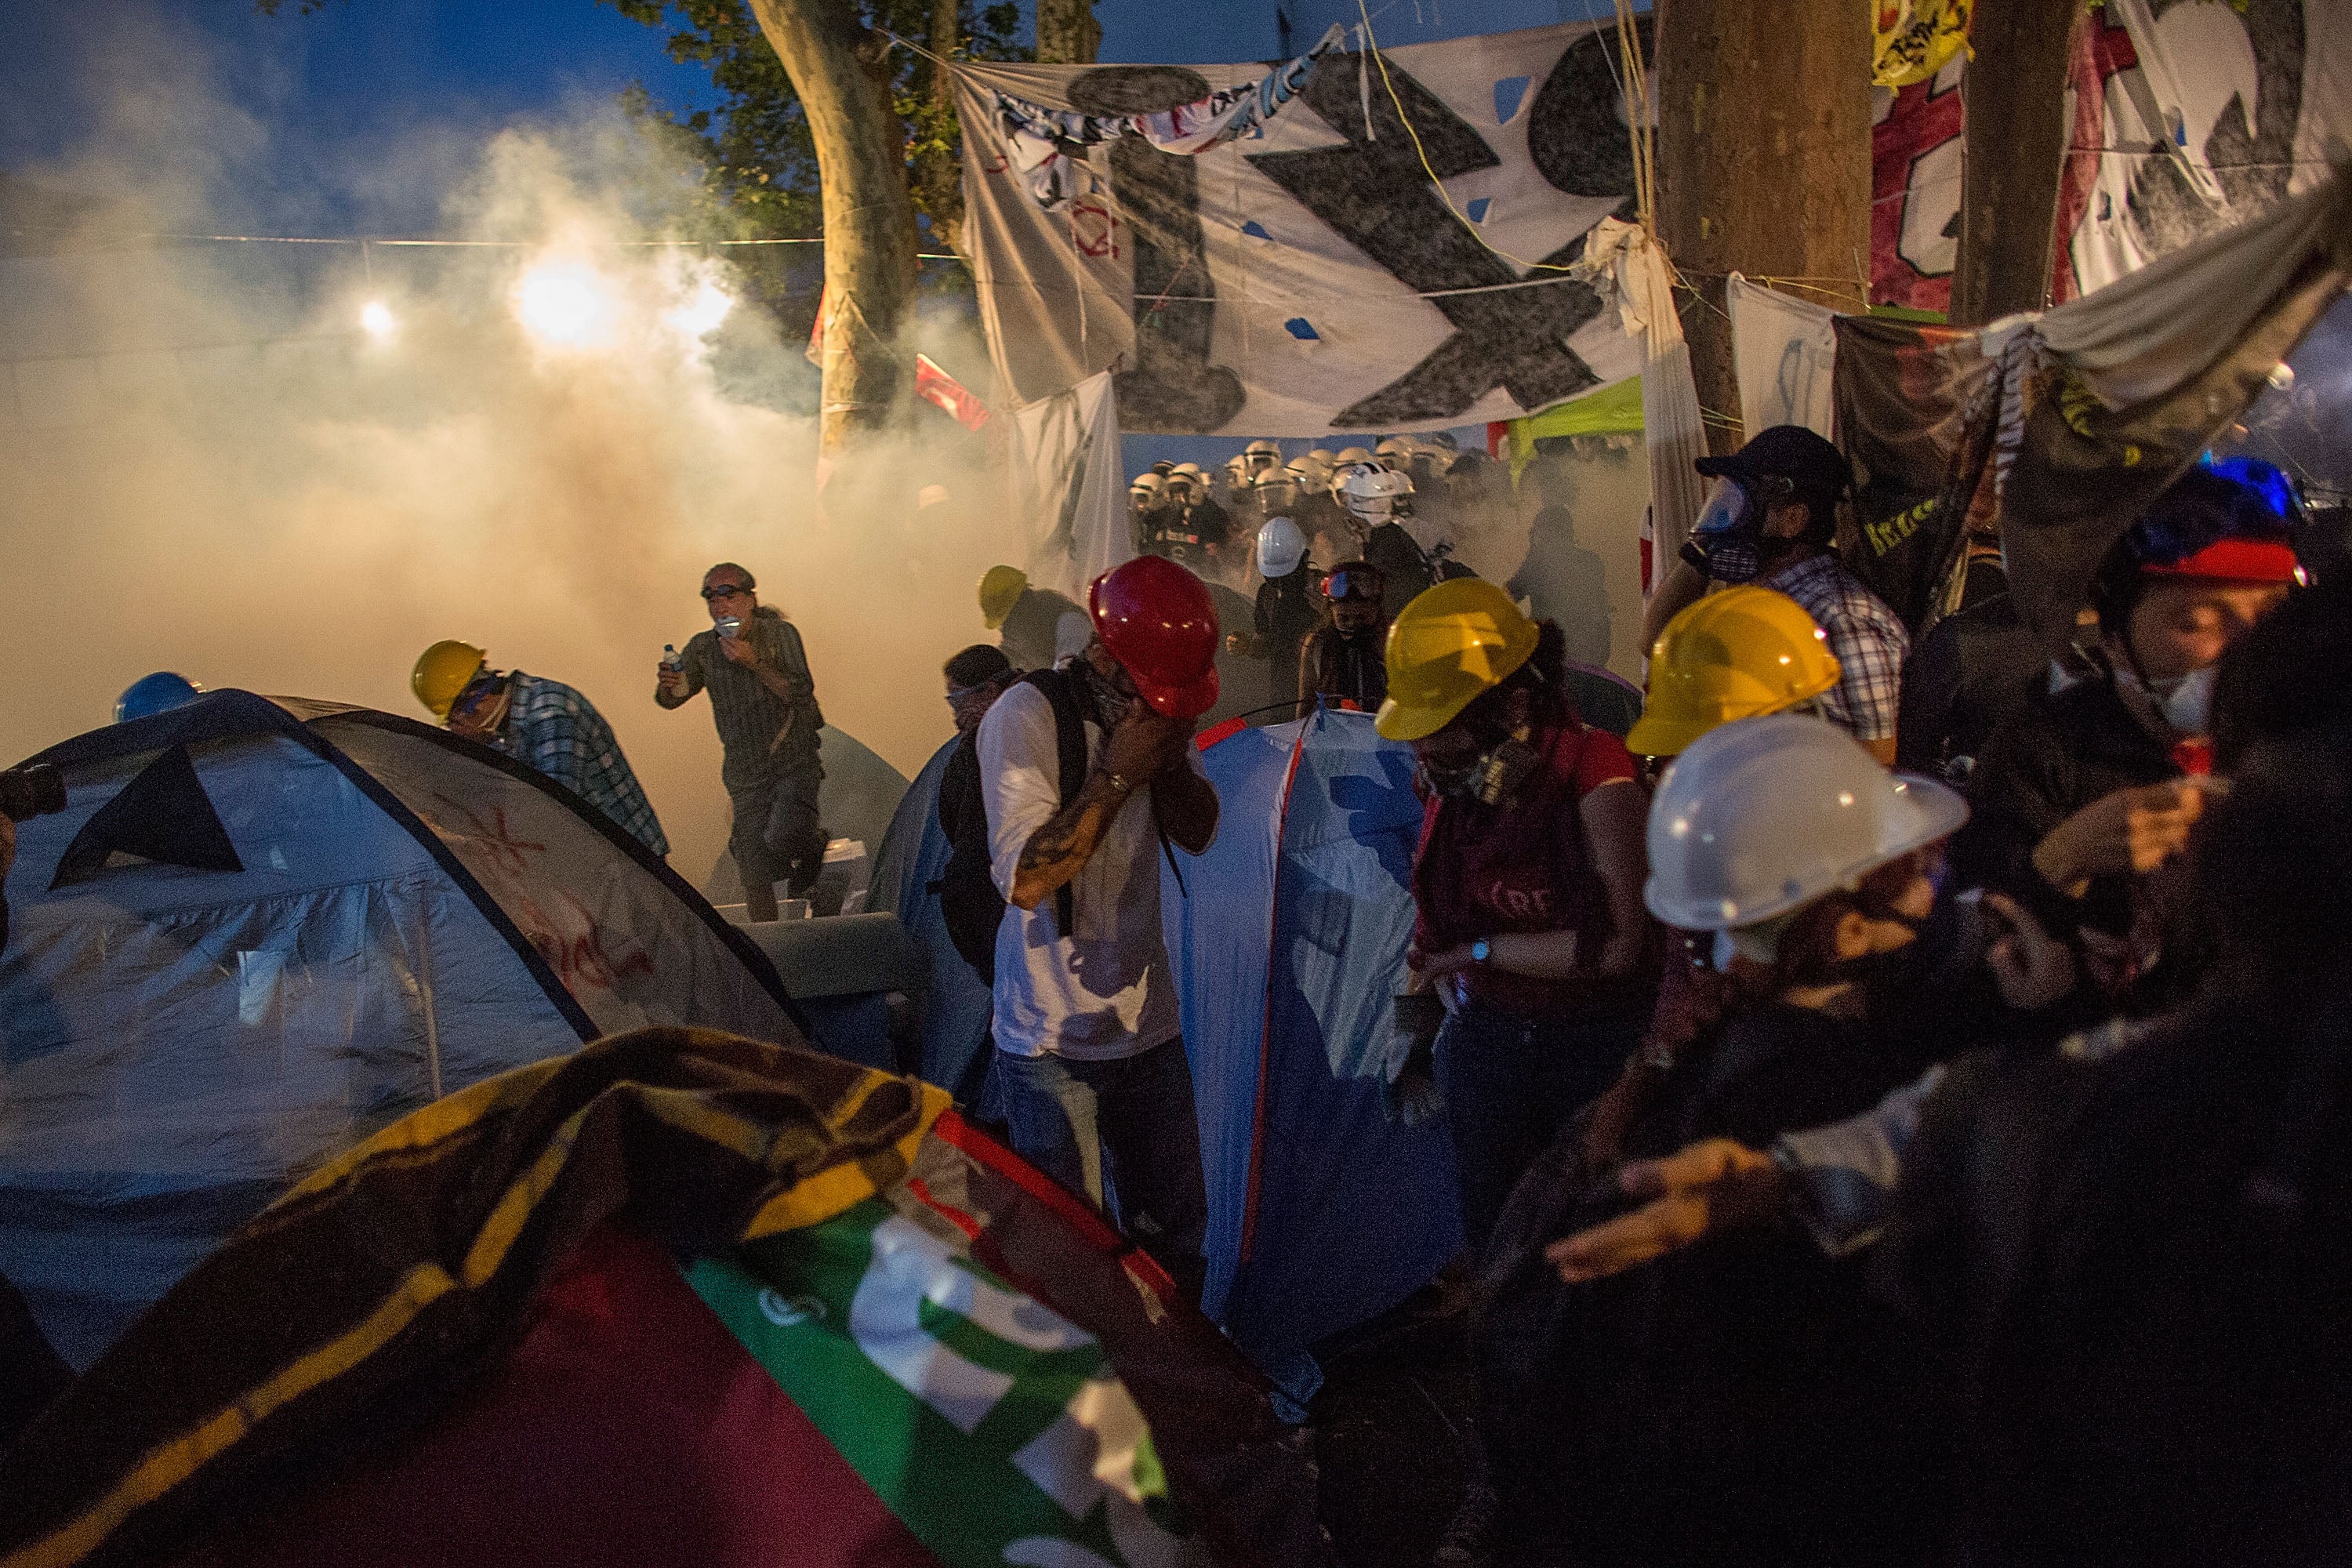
(969, 900)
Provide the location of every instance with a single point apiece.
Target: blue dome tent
(264, 929)
(1288, 941)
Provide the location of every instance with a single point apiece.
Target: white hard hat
(1351, 455)
(1280, 548)
(1370, 491)
(1760, 816)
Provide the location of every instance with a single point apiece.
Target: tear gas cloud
(291, 468)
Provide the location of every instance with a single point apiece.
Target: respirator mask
(1491, 777)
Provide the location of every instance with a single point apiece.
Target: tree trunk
(1763, 164)
(2015, 98)
(938, 179)
(1067, 33)
(838, 68)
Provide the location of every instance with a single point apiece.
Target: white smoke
(289, 468)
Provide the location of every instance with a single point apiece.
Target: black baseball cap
(1790, 451)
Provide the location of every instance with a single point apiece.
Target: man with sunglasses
(763, 701)
(1769, 520)
(1343, 659)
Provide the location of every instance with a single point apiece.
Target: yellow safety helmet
(1451, 643)
(443, 671)
(1733, 655)
(1000, 589)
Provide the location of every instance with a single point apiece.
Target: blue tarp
(1288, 943)
(1287, 940)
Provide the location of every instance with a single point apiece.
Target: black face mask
(1103, 691)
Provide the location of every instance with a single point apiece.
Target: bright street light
(375, 320)
(564, 304)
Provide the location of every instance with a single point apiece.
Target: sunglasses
(724, 591)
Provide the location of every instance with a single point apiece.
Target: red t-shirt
(1521, 866)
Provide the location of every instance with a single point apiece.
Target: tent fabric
(1064, 478)
(956, 1005)
(1783, 351)
(1313, 278)
(891, 1328)
(414, 914)
(1289, 944)
(860, 790)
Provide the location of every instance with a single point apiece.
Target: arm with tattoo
(1066, 841)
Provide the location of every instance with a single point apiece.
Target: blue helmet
(157, 693)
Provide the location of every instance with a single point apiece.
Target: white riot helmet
(1280, 548)
(1322, 455)
(1350, 455)
(1396, 453)
(1183, 487)
(1239, 476)
(1262, 457)
(1193, 471)
(1760, 816)
(1370, 493)
(1148, 491)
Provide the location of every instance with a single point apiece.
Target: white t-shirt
(1108, 990)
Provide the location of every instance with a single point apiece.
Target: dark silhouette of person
(1561, 580)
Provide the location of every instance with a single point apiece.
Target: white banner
(1341, 267)
(1784, 352)
(1068, 494)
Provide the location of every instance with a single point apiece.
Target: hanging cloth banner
(2055, 430)
(937, 387)
(1395, 247)
(1782, 349)
(1066, 487)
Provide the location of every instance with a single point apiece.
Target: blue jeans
(1511, 1081)
(1123, 1129)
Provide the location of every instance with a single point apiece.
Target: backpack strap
(1070, 756)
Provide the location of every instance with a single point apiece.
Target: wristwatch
(1119, 782)
(1481, 950)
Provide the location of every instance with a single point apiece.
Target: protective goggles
(724, 591)
(1353, 582)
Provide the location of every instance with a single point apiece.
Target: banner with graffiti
(2184, 118)
(1392, 241)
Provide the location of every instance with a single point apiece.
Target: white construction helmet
(1760, 816)
(1280, 548)
(1371, 491)
(1350, 455)
(1147, 489)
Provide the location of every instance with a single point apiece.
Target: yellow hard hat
(1733, 655)
(1451, 643)
(441, 672)
(1000, 588)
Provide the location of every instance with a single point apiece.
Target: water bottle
(670, 659)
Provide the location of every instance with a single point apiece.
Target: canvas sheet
(1069, 497)
(1307, 276)
(1784, 351)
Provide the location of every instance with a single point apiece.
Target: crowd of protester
(1859, 1165)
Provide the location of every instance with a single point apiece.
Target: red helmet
(1156, 619)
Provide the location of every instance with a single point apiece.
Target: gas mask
(1726, 535)
(1491, 777)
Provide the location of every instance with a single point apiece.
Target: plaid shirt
(555, 730)
(1867, 638)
